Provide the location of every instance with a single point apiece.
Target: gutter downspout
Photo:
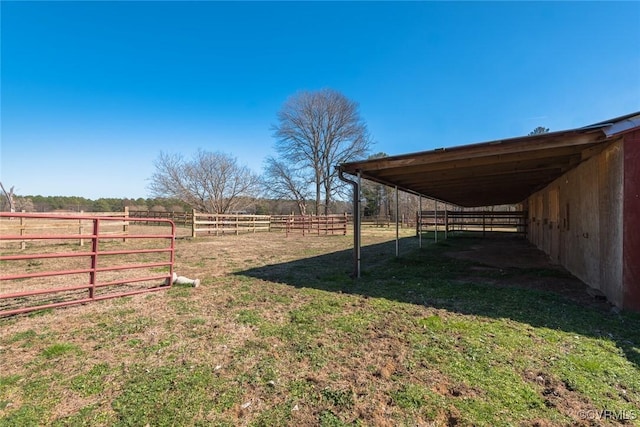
(356, 220)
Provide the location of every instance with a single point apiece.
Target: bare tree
(284, 182)
(10, 199)
(318, 130)
(210, 182)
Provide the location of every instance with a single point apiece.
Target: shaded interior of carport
(485, 174)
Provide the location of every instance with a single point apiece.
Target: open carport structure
(580, 188)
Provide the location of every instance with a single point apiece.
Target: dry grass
(279, 334)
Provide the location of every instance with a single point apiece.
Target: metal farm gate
(44, 263)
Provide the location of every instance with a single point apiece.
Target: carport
(507, 171)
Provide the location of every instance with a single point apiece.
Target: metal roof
(496, 172)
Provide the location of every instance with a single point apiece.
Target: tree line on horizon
(38, 203)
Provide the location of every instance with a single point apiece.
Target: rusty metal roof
(496, 172)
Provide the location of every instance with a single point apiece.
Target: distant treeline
(78, 204)
(81, 204)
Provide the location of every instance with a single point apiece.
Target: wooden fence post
(193, 223)
(446, 222)
(125, 225)
(344, 233)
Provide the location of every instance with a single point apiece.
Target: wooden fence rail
(184, 219)
(59, 222)
(201, 224)
(448, 220)
(310, 224)
(216, 224)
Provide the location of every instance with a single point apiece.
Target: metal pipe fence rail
(59, 222)
(310, 224)
(50, 272)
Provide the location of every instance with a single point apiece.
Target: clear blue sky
(92, 92)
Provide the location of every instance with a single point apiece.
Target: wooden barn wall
(632, 221)
(578, 221)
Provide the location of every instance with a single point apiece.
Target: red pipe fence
(42, 268)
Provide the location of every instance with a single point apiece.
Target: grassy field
(278, 333)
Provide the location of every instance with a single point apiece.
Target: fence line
(184, 219)
(310, 224)
(200, 223)
(448, 220)
(216, 224)
(23, 225)
(78, 276)
(375, 221)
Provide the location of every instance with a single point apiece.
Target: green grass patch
(93, 382)
(423, 339)
(60, 349)
(172, 395)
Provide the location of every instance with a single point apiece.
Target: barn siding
(632, 221)
(577, 221)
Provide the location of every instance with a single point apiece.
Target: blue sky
(92, 92)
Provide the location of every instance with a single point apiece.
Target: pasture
(278, 333)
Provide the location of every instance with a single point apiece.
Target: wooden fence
(59, 223)
(184, 219)
(310, 224)
(216, 224)
(483, 221)
(375, 221)
(201, 224)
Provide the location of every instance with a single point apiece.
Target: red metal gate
(42, 266)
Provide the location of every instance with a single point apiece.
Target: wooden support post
(193, 223)
(419, 222)
(435, 216)
(484, 224)
(125, 225)
(397, 227)
(446, 221)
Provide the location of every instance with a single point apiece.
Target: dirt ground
(504, 260)
(513, 261)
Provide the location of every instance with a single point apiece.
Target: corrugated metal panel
(623, 126)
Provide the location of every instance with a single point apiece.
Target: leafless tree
(284, 182)
(210, 182)
(317, 131)
(10, 199)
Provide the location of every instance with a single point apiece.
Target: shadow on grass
(430, 277)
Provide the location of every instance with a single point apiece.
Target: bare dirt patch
(510, 261)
